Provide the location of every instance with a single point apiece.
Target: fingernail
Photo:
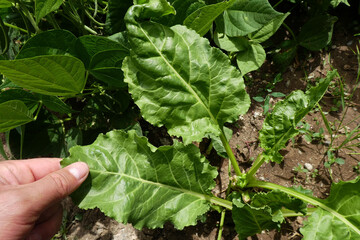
(79, 170)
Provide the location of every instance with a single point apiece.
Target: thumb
(57, 185)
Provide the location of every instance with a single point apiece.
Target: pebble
(347, 67)
(257, 114)
(308, 166)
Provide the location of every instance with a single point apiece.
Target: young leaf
(55, 104)
(52, 42)
(49, 75)
(202, 19)
(13, 113)
(132, 181)
(317, 32)
(251, 59)
(339, 215)
(44, 7)
(280, 125)
(178, 80)
(247, 16)
(262, 212)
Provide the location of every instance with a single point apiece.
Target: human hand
(30, 196)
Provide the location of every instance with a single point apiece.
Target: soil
(92, 224)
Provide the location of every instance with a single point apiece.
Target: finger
(18, 172)
(55, 186)
(47, 229)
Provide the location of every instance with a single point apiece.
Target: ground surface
(91, 225)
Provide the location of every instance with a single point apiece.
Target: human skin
(30, 196)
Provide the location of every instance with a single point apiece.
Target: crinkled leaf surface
(179, 81)
(280, 125)
(340, 218)
(44, 7)
(132, 181)
(251, 58)
(13, 114)
(247, 16)
(49, 75)
(202, 19)
(52, 42)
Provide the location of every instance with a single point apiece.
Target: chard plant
(177, 80)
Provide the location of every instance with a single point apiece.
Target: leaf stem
(230, 154)
(289, 213)
(16, 27)
(221, 224)
(257, 164)
(30, 17)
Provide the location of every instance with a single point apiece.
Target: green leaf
(115, 15)
(13, 113)
(280, 125)
(277, 94)
(53, 103)
(44, 7)
(269, 29)
(231, 44)
(18, 94)
(339, 215)
(132, 181)
(106, 66)
(121, 38)
(87, 46)
(251, 59)
(5, 3)
(219, 146)
(317, 32)
(179, 81)
(262, 212)
(284, 58)
(52, 42)
(202, 19)
(335, 3)
(247, 16)
(49, 75)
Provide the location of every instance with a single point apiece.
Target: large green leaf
(338, 217)
(52, 42)
(49, 75)
(132, 181)
(280, 125)
(317, 32)
(106, 66)
(44, 7)
(202, 19)
(87, 46)
(262, 212)
(247, 16)
(251, 58)
(269, 29)
(179, 81)
(13, 114)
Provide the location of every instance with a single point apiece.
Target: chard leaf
(317, 32)
(262, 212)
(178, 80)
(251, 59)
(338, 217)
(269, 29)
(280, 125)
(13, 113)
(202, 19)
(49, 75)
(247, 16)
(132, 181)
(44, 7)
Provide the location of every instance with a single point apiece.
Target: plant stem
(257, 164)
(16, 27)
(290, 31)
(219, 201)
(230, 154)
(290, 213)
(221, 224)
(94, 20)
(30, 17)
(312, 200)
